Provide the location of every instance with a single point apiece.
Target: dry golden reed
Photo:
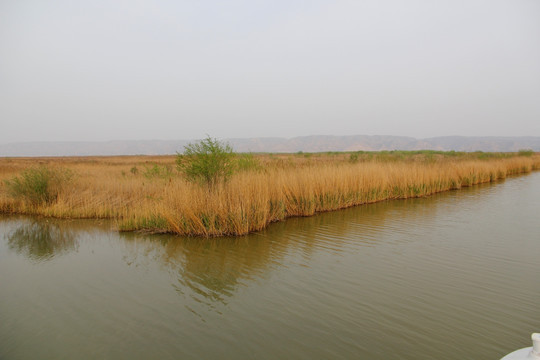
(147, 193)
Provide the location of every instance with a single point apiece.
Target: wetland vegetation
(235, 194)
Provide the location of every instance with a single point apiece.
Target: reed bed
(148, 194)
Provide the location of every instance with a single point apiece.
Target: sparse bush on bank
(39, 185)
(208, 162)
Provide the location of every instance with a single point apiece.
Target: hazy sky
(141, 69)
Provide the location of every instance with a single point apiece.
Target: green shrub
(39, 185)
(208, 161)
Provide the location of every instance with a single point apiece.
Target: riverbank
(145, 193)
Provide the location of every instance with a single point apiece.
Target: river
(452, 276)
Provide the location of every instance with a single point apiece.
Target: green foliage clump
(39, 185)
(247, 162)
(525, 152)
(208, 161)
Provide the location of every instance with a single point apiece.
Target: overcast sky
(160, 69)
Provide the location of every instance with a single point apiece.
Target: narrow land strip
(145, 193)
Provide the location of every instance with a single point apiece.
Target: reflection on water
(41, 240)
(451, 276)
(212, 268)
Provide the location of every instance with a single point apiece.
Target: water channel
(452, 276)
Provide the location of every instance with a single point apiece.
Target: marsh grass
(270, 188)
(156, 171)
(525, 152)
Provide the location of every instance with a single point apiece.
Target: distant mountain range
(317, 143)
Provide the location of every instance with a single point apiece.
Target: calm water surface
(453, 276)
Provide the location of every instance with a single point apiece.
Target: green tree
(207, 161)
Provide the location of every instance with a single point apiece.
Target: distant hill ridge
(316, 143)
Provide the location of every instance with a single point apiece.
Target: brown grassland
(147, 193)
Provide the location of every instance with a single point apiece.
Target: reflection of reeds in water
(285, 187)
(42, 240)
(207, 270)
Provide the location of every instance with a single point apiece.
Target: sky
(98, 70)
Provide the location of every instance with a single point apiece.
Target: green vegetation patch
(208, 161)
(39, 185)
(247, 162)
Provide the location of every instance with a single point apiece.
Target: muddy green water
(453, 276)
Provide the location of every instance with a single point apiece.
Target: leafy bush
(208, 161)
(39, 185)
